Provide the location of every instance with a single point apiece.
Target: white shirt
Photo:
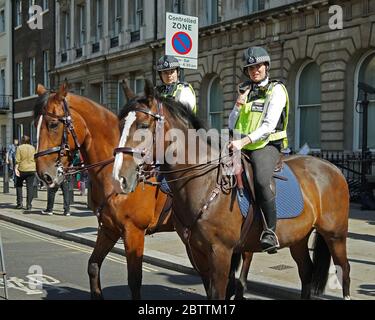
(271, 119)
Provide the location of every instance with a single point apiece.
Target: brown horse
(209, 221)
(71, 122)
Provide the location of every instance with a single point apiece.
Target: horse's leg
(220, 263)
(337, 248)
(103, 245)
(300, 254)
(241, 286)
(134, 239)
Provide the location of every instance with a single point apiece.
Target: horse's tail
(321, 263)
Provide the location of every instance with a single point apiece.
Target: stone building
(5, 74)
(33, 58)
(320, 49)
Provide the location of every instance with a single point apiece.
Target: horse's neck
(101, 138)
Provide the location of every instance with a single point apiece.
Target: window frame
(356, 116)
(18, 20)
(32, 76)
(46, 67)
(209, 113)
(19, 70)
(2, 20)
(298, 108)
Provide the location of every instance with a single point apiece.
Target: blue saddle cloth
(164, 187)
(289, 200)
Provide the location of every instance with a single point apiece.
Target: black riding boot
(19, 197)
(268, 239)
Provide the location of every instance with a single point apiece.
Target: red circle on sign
(182, 43)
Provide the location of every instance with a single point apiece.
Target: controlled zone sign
(181, 39)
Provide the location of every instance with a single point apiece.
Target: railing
(5, 102)
(351, 166)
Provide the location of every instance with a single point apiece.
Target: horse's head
(60, 132)
(140, 120)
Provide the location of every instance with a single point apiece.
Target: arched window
(365, 73)
(308, 106)
(215, 104)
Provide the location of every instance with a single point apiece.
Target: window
(214, 11)
(20, 131)
(31, 3)
(308, 106)
(215, 104)
(19, 70)
(176, 6)
(32, 79)
(2, 82)
(136, 14)
(65, 30)
(46, 69)
(366, 75)
(98, 14)
(45, 5)
(115, 17)
(81, 26)
(2, 20)
(18, 13)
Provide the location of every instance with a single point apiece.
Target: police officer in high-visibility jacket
(260, 115)
(168, 68)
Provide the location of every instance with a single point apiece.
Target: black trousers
(264, 161)
(29, 176)
(51, 193)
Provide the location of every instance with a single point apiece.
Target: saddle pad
(289, 200)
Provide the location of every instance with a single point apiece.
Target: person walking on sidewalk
(51, 193)
(25, 170)
(10, 158)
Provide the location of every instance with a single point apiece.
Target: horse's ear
(63, 90)
(129, 94)
(149, 90)
(40, 90)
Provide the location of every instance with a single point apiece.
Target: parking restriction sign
(181, 39)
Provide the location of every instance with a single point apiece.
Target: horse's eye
(143, 125)
(53, 125)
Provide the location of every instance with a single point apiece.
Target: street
(41, 267)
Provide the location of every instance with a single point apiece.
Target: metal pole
(365, 104)
(2, 269)
(6, 179)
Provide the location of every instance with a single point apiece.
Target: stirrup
(271, 249)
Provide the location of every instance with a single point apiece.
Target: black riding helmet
(253, 56)
(167, 63)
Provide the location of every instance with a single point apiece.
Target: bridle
(63, 149)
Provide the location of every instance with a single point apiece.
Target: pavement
(274, 275)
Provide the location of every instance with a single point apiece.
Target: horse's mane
(176, 109)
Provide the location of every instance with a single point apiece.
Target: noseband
(64, 147)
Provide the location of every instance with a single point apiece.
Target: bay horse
(70, 122)
(208, 220)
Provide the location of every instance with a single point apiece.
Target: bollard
(6, 178)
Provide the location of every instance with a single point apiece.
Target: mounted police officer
(260, 115)
(168, 68)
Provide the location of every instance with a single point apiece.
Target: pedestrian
(51, 194)
(169, 71)
(261, 116)
(10, 159)
(25, 170)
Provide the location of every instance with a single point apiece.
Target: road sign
(181, 39)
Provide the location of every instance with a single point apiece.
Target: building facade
(33, 59)
(321, 51)
(5, 74)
